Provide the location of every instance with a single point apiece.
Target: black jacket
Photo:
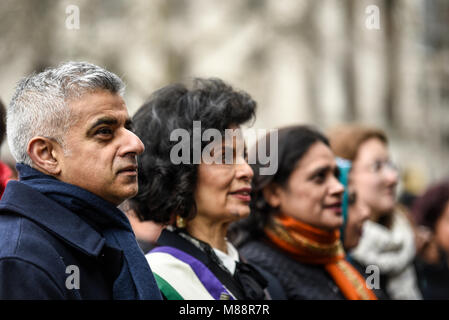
(299, 281)
(433, 279)
(43, 246)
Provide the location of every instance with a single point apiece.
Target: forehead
(318, 155)
(233, 136)
(97, 104)
(372, 149)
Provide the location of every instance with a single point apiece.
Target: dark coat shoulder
(47, 252)
(299, 281)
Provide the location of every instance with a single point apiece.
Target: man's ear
(272, 194)
(45, 154)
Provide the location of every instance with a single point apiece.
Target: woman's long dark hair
(293, 143)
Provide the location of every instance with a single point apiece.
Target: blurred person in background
(293, 230)
(355, 213)
(431, 212)
(61, 233)
(5, 172)
(388, 236)
(196, 200)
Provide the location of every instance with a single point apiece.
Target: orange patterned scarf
(311, 245)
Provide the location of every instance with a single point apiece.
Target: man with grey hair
(61, 233)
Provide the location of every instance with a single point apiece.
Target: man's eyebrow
(100, 121)
(104, 120)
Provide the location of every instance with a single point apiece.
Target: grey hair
(39, 106)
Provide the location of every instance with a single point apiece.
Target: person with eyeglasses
(355, 213)
(388, 240)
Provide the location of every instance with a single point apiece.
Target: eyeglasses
(379, 166)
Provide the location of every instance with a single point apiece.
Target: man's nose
(133, 144)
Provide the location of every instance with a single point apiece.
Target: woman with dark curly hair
(196, 186)
(293, 229)
(431, 213)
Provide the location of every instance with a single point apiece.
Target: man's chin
(127, 193)
(130, 193)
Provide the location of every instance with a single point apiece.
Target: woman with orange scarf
(293, 229)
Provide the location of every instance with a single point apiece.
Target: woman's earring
(180, 222)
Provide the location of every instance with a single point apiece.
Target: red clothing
(5, 175)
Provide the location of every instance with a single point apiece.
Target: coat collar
(50, 215)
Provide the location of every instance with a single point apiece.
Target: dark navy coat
(45, 249)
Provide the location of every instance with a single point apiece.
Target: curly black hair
(167, 189)
(293, 143)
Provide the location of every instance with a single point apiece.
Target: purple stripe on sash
(207, 278)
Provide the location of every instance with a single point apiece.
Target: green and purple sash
(182, 277)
